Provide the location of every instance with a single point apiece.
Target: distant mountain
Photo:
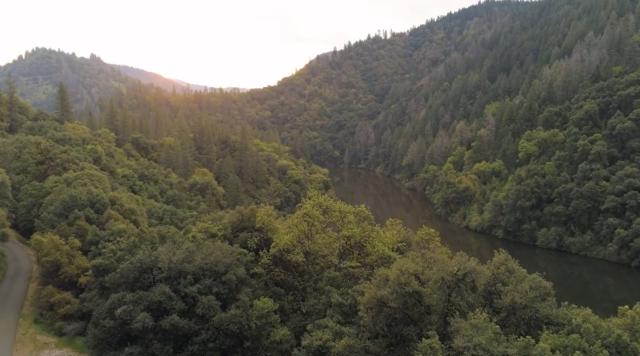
(38, 72)
(157, 80)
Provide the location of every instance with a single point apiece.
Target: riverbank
(598, 284)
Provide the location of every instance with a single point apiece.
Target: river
(598, 284)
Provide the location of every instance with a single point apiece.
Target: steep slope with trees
(185, 231)
(38, 72)
(142, 260)
(78, 195)
(494, 110)
(398, 101)
(460, 106)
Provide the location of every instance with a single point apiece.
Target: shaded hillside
(461, 101)
(38, 73)
(454, 106)
(157, 80)
(399, 101)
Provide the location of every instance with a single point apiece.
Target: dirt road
(13, 290)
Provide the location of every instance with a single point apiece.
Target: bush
(60, 310)
(4, 235)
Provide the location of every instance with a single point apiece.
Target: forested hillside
(144, 259)
(398, 101)
(518, 118)
(169, 223)
(157, 80)
(37, 74)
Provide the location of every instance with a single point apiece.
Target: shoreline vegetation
(421, 191)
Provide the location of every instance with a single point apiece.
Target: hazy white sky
(242, 43)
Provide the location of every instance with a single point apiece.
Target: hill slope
(459, 103)
(157, 80)
(37, 74)
(140, 260)
(454, 106)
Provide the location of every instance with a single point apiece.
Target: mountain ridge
(89, 79)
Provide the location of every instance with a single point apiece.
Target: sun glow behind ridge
(241, 43)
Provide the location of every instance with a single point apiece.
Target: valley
(600, 285)
(171, 219)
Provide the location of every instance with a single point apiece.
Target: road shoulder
(32, 339)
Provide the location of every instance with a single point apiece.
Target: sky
(231, 43)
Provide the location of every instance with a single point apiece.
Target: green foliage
(430, 346)
(433, 286)
(186, 298)
(139, 259)
(520, 303)
(61, 262)
(184, 227)
(204, 186)
(516, 126)
(56, 308)
(573, 185)
(477, 336)
(6, 199)
(63, 105)
(93, 210)
(38, 73)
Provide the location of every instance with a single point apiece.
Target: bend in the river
(603, 286)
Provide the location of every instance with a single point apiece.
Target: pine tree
(64, 111)
(12, 105)
(111, 120)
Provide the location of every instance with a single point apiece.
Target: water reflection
(600, 285)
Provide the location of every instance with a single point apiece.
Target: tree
(63, 109)
(204, 187)
(112, 120)
(477, 336)
(430, 346)
(6, 197)
(186, 298)
(520, 303)
(12, 105)
(419, 293)
(61, 262)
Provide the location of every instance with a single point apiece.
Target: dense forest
(143, 259)
(192, 223)
(516, 118)
(38, 72)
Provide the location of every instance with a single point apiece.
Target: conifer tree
(64, 111)
(12, 105)
(111, 120)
